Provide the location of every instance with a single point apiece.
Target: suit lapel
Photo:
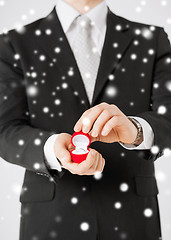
(66, 62)
(110, 54)
(65, 58)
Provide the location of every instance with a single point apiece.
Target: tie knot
(83, 21)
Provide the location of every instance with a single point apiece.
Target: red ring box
(80, 141)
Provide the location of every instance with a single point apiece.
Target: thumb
(92, 153)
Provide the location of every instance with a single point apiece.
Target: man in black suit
(45, 97)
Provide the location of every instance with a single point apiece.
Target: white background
(16, 12)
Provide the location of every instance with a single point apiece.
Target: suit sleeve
(159, 116)
(20, 143)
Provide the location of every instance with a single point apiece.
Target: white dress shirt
(98, 15)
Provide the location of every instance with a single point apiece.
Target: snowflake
(64, 85)
(24, 17)
(167, 152)
(119, 56)
(86, 8)
(145, 60)
(74, 200)
(20, 28)
(111, 91)
(168, 85)
(32, 12)
(151, 51)
(2, 3)
(87, 75)
(57, 101)
(17, 56)
(152, 28)
(42, 58)
(156, 85)
(168, 60)
(48, 31)
(21, 142)
(5, 97)
(118, 27)
(123, 235)
(16, 188)
(146, 33)
(137, 31)
(124, 187)
(33, 74)
(32, 91)
(84, 226)
(37, 141)
(133, 56)
(36, 166)
(154, 149)
(70, 72)
(98, 175)
(161, 110)
(38, 32)
(45, 109)
(115, 45)
(136, 42)
(53, 234)
(117, 205)
(122, 154)
(34, 238)
(94, 50)
(160, 176)
(57, 50)
(138, 9)
(163, 3)
(58, 219)
(143, 3)
(111, 77)
(148, 212)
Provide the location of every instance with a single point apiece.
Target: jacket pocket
(37, 192)
(146, 185)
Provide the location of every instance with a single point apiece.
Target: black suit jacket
(28, 116)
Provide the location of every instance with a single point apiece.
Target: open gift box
(80, 141)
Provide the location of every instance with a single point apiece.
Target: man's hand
(110, 124)
(93, 163)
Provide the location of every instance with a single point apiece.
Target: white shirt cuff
(50, 154)
(148, 136)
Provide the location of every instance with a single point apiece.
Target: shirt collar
(67, 14)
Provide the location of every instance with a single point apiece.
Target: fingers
(112, 123)
(100, 122)
(89, 117)
(94, 161)
(96, 166)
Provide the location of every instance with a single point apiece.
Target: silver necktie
(86, 54)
